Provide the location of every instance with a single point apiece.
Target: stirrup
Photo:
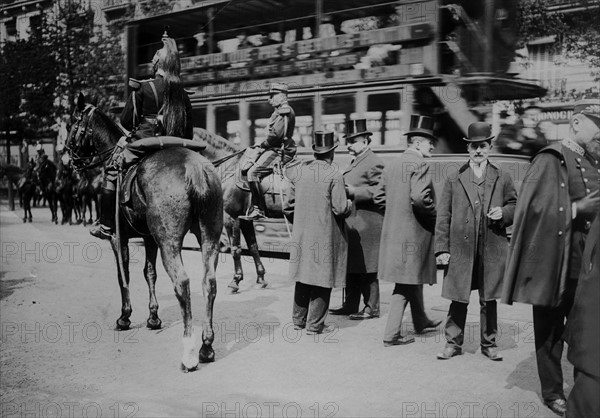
(101, 232)
(255, 215)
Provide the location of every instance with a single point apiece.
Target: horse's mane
(108, 128)
(215, 141)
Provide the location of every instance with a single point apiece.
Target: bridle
(82, 140)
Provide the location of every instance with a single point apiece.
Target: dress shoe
(399, 341)
(449, 352)
(363, 315)
(492, 353)
(429, 326)
(298, 327)
(325, 330)
(341, 310)
(558, 406)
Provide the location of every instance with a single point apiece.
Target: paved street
(60, 354)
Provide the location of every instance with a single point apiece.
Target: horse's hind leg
(171, 257)
(154, 321)
(123, 322)
(208, 239)
(247, 228)
(232, 227)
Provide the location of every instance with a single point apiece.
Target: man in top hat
(475, 208)
(159, 106)
(278, 146)
(317, 206)
(406, 257)
(365, 188)
(559, 201)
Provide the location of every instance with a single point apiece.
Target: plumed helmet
(168, 55)
(39, 148)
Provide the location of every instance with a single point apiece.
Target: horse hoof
(233, 286)
(154, 323)
(261, 283)
(123, 324)
(25, 220)
(207, 354)
(185, 369)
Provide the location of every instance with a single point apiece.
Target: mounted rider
(278, 147)
(156, 107)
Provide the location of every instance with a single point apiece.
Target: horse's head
(80, 142)
(91, 137)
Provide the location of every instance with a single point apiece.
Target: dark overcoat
(365, 221)
(583, 330)
(407, 252)
(456, 231)
(542, 253)
(317, 206)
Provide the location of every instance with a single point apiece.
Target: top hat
(479, 131)
(278, 88)
(355, 128)
(324, 142)
(589, 108)
(422, 126)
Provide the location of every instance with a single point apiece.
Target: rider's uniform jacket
(143, 107)
(281, 128)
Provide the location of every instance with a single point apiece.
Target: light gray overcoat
(317, 206)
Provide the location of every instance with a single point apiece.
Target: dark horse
(88, 190)
(24, 183)
(66, 181)
(236, 202)
(175, 191)
(46, 180)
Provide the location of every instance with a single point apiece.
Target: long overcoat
(407, 252)
(456, 231)
(583, 333)
(317, 206)
(365, 221)
(542, 255)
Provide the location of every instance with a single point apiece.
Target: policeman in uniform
(559, 199)
(159, 106)
(278, 145)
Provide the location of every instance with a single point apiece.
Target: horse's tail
(202, 184)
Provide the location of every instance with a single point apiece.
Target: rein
(230, 156)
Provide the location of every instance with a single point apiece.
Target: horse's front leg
(154, 321)
(247, 228)
(232, 227)
(123, 322)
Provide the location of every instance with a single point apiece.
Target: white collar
(481, 166)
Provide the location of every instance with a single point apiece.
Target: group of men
(369, 223)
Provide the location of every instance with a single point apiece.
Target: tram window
(304, 109)
(228, 123)
(383, 118)
(336, 111)
(199, 117)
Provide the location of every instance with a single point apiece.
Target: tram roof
(252, 15)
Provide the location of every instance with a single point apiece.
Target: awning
(483, 88)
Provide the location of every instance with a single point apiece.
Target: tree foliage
(576, 33)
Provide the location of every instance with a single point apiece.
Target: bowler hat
(278, 88)
(355, 128)
(479, 131)
(589, 108)
(324, 142)
(422, 126)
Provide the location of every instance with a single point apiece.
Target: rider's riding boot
(259, 206)
(107, 216)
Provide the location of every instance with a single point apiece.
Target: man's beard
(593, 147)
